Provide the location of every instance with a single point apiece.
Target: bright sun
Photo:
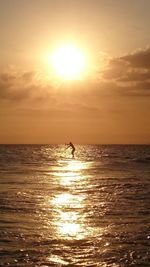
(68, 62)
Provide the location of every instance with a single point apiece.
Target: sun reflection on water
(69, 225)
(67, 200)
(76, 165)
(70, 210)
(70, 173)
(69, 220)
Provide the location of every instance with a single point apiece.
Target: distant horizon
(105, 144)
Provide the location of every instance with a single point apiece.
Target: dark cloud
(7, 77)
(135, 75)
(28, 76)
(130, 73)
(17, 86)
(139, 59)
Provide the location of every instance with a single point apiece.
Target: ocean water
(93, 210)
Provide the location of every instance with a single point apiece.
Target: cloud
(130, 73)
(22, 86)
(138, 59)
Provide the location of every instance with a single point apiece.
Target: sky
(109, 105)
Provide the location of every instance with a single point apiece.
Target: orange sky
(109, 105)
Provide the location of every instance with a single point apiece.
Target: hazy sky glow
(111, 104)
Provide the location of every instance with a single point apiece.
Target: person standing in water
(73, 148)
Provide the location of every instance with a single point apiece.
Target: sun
(68, 62)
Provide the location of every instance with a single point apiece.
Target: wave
(142, 160)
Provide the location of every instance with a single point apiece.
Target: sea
(90, 210)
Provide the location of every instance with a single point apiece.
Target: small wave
(142, 160)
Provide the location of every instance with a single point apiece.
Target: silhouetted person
(73, 148)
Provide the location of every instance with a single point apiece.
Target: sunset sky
(105, 101)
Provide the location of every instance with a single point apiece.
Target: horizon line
(75, 144)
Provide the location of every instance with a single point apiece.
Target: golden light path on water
(69, 221)
(69, 217)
